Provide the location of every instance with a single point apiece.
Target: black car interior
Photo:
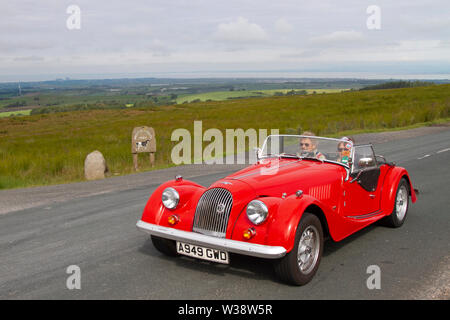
(365, 168)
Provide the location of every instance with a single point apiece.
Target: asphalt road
(98, 234)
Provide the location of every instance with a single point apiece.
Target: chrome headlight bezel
(170, 198)
(257, 212)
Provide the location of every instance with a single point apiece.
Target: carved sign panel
(143, 140)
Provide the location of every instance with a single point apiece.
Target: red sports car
(301, 190)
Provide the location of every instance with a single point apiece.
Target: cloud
(283, 26)
(9, 44)
(312, 53)
(427, 24)
(140, 30)
(240, 31)
(29, 58)
(190, 35)
(158, 48)
(338, 37)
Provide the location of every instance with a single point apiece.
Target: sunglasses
(305, 144)
(342, 149)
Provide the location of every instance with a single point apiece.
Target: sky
(46, 39)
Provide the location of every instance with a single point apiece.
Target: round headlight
(170, 198)
(257, 211)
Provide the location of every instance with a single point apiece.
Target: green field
(65, 99)
(16, 113)
(51, 148)
(226, 95)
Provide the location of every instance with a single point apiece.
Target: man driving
(308, 147)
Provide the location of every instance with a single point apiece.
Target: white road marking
(425, 156)
(443, 150)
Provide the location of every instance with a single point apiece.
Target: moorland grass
(51, 148)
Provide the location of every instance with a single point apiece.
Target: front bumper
(240, 247)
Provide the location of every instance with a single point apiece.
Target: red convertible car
(301, 190)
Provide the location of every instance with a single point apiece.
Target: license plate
(202, 252)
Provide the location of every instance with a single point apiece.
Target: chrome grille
(212, 213)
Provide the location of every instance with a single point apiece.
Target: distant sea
(229, 74)
(293, 74)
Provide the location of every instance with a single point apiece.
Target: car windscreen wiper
(290, 155)
(268, 155)
(312, 158)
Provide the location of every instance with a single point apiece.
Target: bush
(398, 84)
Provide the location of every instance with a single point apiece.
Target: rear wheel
(398, 215)
(299, 266)
(168, 247)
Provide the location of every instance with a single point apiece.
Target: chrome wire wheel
(400, 206)
(308, 249)
(401, 202)
(300, 265)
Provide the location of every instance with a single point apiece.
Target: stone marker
(143, 141)
(95, 166)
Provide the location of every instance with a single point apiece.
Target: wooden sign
(143, 141)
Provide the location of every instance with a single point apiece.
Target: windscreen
(326, 149)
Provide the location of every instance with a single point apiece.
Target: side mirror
(366, 162)
(258, 153)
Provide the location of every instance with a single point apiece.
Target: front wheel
(398, 215)
(166, 246)
(299, 266)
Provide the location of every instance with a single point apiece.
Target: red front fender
(284, 216)
(190, 193)
(390, 188)
(283, 226)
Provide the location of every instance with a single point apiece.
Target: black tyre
(168, 247)
(299, 266)
(401, 205)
